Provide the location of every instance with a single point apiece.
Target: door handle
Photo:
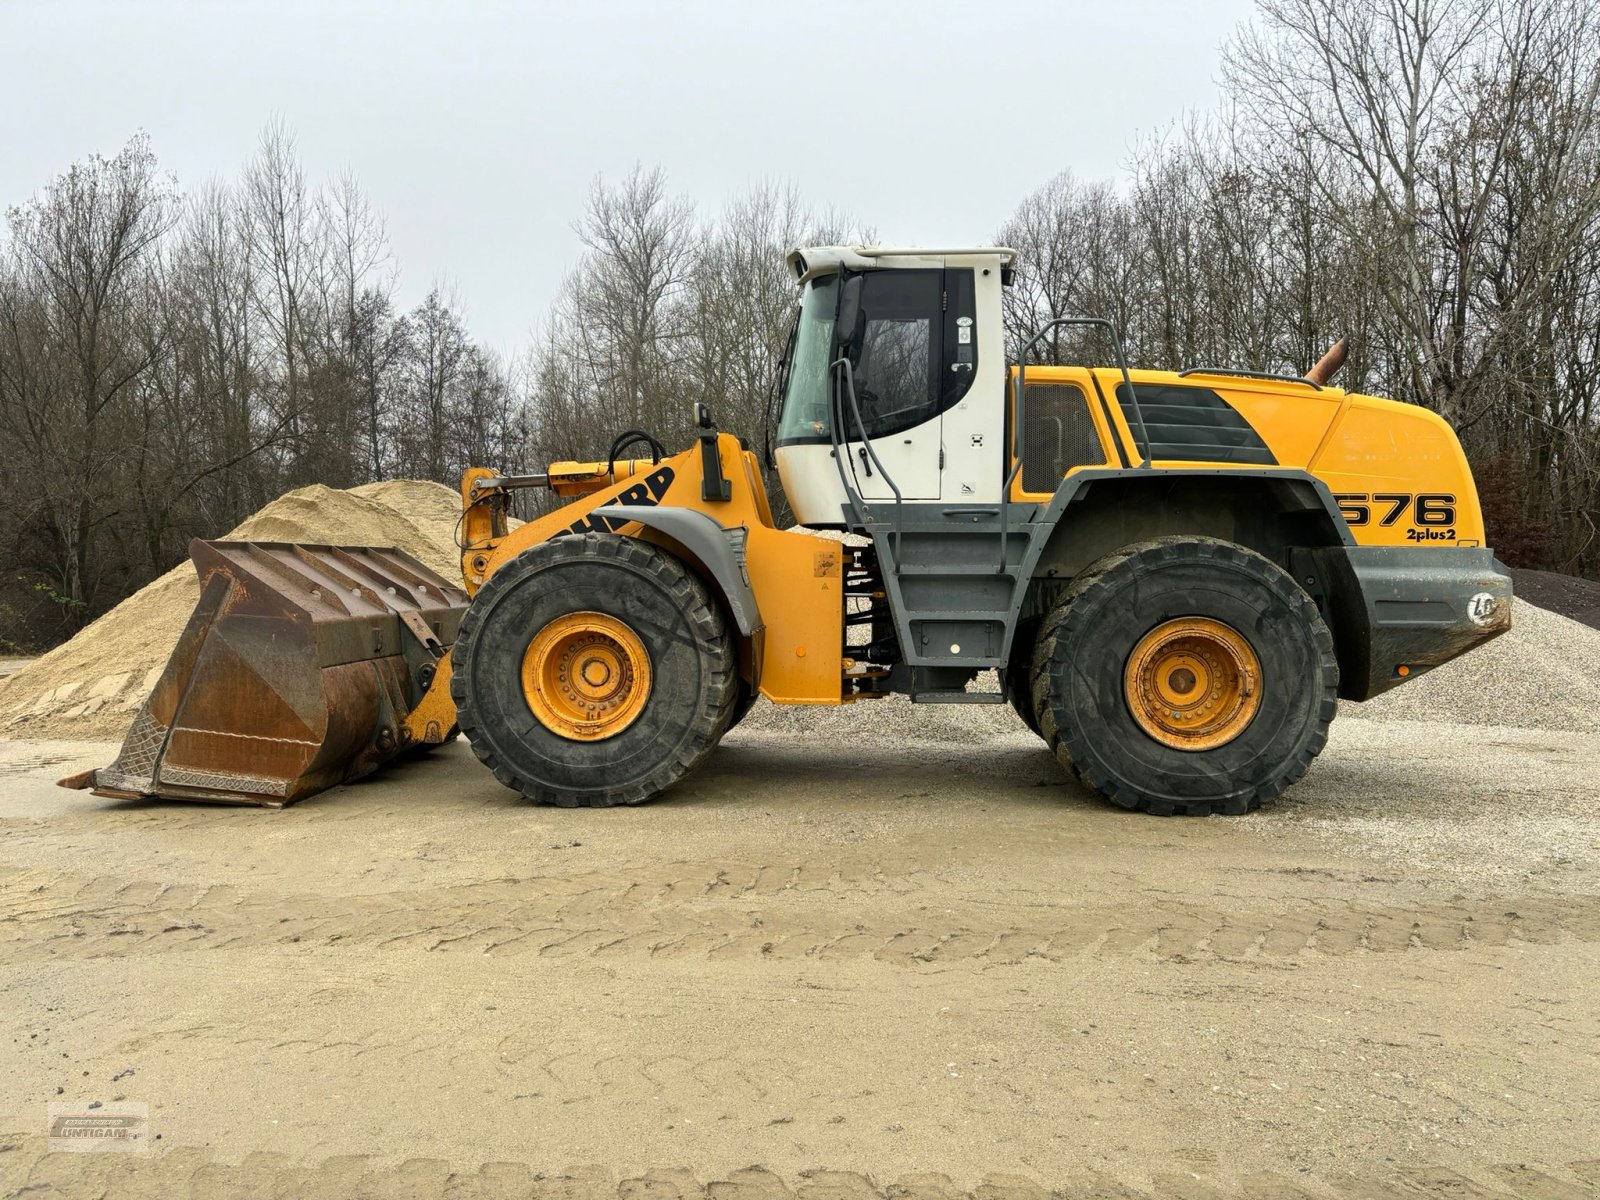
(866, 459)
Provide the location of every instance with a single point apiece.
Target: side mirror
(848, 326)
(702, 414)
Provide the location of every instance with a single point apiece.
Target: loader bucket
(294, 674)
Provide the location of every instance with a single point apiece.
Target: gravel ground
(1578, 599)
(1521, 807)
(874, 969)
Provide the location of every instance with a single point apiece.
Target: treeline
(169, 362)
(1423, 177)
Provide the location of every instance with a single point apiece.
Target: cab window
(915, 356)
(896, 372)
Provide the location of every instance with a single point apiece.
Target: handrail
(1005, 493)
(835, 419)
(1122, 364)
(866, 444)
(1018, 398)
(1244, 374)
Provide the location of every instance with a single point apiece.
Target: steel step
(956, 614)
(1010, 571)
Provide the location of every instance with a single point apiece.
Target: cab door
(898, 384)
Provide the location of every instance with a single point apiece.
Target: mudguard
(719, 550)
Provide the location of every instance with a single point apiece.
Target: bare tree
(354, 349)
(278, 217)
(82, 268)
(438, 354)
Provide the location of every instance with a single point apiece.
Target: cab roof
(807, 262)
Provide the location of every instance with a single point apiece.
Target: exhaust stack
(1325, 367)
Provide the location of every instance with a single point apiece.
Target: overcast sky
(477, 128)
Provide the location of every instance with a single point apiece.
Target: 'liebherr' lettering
(646, 493)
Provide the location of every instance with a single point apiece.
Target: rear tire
(690, 674)
(1085, 653)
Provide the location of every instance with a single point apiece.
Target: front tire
(1185, 676)
(593, 670)
(744, 700)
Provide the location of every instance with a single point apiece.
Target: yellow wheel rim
(1193, 683)
(586, 676)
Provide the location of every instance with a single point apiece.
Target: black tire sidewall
(1254, 597)
(1016, 677)
(567, 576)
(745, 698)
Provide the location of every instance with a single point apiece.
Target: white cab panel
(974, 456)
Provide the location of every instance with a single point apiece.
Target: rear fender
(1267, 510)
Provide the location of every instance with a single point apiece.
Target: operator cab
(895, 379)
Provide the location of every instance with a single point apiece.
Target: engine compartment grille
(1058, 434)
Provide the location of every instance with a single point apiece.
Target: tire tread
(690, 597)
(1059, 623)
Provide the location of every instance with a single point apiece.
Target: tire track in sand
(178, 1173)
(712, 912)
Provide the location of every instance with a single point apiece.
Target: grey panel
(1411, 612)
(1416, 606)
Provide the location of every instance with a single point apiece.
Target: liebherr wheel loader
(1172, 574)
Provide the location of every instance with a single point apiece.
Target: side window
(897, 385)
(919, 347)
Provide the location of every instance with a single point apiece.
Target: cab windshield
(805, 398)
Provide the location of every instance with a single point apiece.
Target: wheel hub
(586, 676)
(1193, 683)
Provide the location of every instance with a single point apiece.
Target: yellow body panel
(1292, 420)
(1397, 471)
(434, 718)
(1382, 451)
(797, 577)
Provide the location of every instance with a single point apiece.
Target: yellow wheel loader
(1173, 575)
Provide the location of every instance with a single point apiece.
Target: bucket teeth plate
(295, 673)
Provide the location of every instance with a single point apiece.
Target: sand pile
(91, 686)
(431, 507)
(407, 513)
